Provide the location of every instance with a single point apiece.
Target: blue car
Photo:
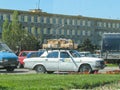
(8, 59)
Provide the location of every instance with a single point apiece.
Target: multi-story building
(53, 26)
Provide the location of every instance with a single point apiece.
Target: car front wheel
(40, 69)
(85, 68)
(10, 69)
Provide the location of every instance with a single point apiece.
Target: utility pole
(39, 4)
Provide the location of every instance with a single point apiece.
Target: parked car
(84, 53)
(88, 54)
(35, 54)
(8, 59)
(22, 55)
(64, 60)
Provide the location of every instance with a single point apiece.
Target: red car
(22, 55)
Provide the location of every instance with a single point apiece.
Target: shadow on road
(16, 71)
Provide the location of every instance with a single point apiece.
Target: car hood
(7, 55)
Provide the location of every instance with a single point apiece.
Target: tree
(15, 35)
(6, 32)
(86, 46)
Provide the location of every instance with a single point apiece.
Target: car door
(65, 62)
(51, 61)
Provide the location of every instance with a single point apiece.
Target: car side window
(33, 55)
(52, 55)
(64, 55)
(24, 54)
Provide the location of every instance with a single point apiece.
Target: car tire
(10, 69)
(85, 68)
(50, 72)
(20, 65)
(40, 69)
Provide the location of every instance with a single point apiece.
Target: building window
(19, 18)
(29, 18)
(33, 30)
(104, 24)
(62, 31)
(117, 25)
(78, 22)
(113, 25)
(48, 20)
(78, 32)
(26, 28)
(45, 19)
(39, 31)
(65, 21)
(35, 19)
(51, 20)
(70, 21)
(73, 32)
(62, 21)
(109, 25)
(100, 33)
(89, 23)
(99, 24)
(48, 30)
(54, 20)
(88, 33)
(26, 18)
(8, 16)
(41, 19)
(74, 22)
(83, 33)
(51, 31)
(36, 31)
(32, 18)
(11, 17)
(57, 21)
(4, 16)
(1, 17)
(22, 18)
(45, 31)
(68, 32)
(83, 22)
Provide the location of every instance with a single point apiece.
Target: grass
(55, 81)
(112, 65)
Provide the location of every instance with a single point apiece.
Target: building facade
(52, 26)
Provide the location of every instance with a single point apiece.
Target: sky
(109, 9)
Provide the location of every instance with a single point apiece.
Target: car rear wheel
(40, 69)
(50, 72)
(85, 68)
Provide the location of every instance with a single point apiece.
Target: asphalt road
(27, 71)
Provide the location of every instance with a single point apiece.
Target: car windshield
(75, 53)
(4, 47)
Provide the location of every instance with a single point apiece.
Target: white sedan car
(64, 60)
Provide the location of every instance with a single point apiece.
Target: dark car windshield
(74, 53)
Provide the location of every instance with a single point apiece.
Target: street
(27, 71)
